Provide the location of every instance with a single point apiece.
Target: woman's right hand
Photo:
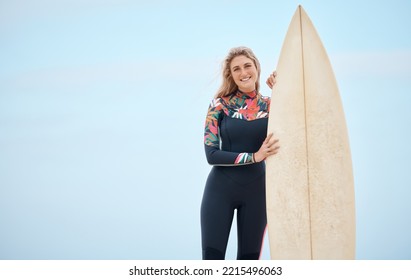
(269, 147)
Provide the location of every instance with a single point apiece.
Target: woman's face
(244, 73)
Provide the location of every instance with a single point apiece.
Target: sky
(102, 107)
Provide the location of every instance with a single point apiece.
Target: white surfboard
(310, 185)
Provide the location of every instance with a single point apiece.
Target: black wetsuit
(235, 128)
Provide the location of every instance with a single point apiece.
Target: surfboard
(309, 183)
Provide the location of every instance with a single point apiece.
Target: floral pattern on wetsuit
(244, 158)
(245, 106)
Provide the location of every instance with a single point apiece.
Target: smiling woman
(237, 179)
(244, 73)
(78, 126)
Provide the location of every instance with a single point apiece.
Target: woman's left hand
(271, 80)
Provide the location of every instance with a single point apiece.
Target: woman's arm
(215, 156)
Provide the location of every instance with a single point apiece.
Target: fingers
(273, 150)
(268, 138)
(271, 80)
(272, 141)
(269, 83)
(271, 145)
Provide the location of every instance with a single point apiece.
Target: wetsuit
(235, 128)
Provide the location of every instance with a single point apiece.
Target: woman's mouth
(245, 79)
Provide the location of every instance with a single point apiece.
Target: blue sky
(102, 106)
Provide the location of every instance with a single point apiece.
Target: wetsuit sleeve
(215, 156)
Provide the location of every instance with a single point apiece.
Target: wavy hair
(228, 85)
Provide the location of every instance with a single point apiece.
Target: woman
(236, 145)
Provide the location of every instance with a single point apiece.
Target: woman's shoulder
(266, 98)
(215, 103)
(219, 103)
(264, 103)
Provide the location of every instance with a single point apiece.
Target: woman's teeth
(245, 79)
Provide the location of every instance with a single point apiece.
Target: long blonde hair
(228, 85)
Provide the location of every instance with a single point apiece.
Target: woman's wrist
(256, 158)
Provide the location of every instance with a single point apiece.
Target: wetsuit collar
(246, 95)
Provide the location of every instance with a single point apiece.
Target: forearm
(215, 156)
